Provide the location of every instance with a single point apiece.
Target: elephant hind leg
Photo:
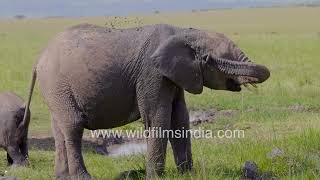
(72, 129)
(61, 159)
(15, 155)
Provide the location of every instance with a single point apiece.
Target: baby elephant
(14, 129)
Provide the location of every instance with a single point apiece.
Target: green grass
(284, 39)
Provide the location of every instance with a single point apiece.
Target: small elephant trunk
(260, 72)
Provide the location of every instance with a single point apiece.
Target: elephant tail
(25, 121)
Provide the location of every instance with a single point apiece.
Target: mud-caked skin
(97, 78)
(13, 131)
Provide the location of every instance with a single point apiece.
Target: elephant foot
(131, 175)
(24, 163)
(9, 160)
(185, 167)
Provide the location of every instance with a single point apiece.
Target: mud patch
(41, 143)
(228, 113)
(47, 144)
(108, 146)
(297, 108)
(202, 116)
(116, 146)
(206, 116)
(301, 108)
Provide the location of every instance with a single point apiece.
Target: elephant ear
(176, 60)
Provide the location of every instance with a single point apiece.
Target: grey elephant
(13, 129)
(97, 78)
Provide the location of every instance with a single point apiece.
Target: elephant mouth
(234, 84)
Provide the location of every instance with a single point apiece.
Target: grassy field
(284, 113)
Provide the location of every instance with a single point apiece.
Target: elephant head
(196, 59)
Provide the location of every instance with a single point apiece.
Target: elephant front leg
(181, 146)
(156, 156)
(156, 110)
(158, 126)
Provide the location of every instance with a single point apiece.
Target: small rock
(275, 152)
(250, 170)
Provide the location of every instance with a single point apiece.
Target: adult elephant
(97, 78)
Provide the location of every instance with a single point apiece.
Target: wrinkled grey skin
(13, 130)
(96, 78)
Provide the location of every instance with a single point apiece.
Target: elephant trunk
(260, 72)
